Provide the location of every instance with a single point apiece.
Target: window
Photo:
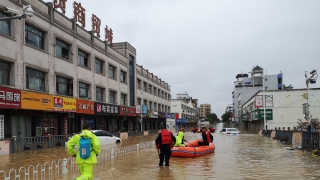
(144, 86)
(112, 97)
(5, 25)
(150, 89)
(150, 105)
(62, 50)
(34, 37)
(139, 83)
(99, 66)
(145, 102)
(159, 107)
(35, 80)
(112, 72)
(84, 90)
(158, 92)
(123, 99)
(139, 101)
(155, 91)
(155, 106)
(5, 70)
(123, 76)
(64, 86)
(99, 94)
(82, 59)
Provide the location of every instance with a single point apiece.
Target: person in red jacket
(164, 142)
(206, 137)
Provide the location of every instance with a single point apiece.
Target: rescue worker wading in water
(164, 142)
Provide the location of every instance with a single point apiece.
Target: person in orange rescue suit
(194, 130)
(165, 142)
(206, 137)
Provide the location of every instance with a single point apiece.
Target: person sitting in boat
(194, 130)
(212, 129)
(206, 137)
(180, 138)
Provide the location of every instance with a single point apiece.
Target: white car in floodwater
(230, 131)
(105, 137)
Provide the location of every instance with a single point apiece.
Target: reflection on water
(247, 156)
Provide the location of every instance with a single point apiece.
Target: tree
(212, 118)
(315, 124)
(226, 116)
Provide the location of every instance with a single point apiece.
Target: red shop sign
(132, 111)
(124, 111)
(10, 98)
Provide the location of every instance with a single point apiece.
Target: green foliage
(212, 118)
(226, 116)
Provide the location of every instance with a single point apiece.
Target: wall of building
(287, 107)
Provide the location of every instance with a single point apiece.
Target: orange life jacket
(166, 137)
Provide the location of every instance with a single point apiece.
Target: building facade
(204, 110)
(283, 108)
(184, 111)
(245, 87)
(55, 75)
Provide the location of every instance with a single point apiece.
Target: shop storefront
(85, 114)
(11, 99)
(133, 123)
(66, 107)
(108, 116)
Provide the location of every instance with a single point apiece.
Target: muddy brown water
(248, 156)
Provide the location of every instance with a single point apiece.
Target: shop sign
(144, 109)
(269, 114)
(64, 104)
(124, 111)
(132, 111)
(153, 114)
(10, 98)
(85, 106)
(259, 101)
(168, 116)
(161, 115)
(102, 108)
(138, 109)
(36, 101)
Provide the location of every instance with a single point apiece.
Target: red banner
(176, 116)
(132, 111)
(10, 98)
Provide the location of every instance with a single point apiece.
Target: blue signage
(144, 109)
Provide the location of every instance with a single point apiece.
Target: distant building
(184, 109)
(229, 108)
(283, 108)
(245, 87)
(204, 110)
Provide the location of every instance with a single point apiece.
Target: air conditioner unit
(70, 115)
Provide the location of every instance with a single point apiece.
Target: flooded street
(247, 156)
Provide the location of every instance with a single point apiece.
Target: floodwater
(247, 156)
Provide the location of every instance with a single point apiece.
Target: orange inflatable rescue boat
(192, 150)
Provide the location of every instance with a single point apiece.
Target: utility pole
(311, 80)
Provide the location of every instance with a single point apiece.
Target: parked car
(104, 136)
(230, 131)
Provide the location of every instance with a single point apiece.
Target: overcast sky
(200, 46)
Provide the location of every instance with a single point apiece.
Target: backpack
(85, 147)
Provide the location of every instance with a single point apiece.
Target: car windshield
(232, 129)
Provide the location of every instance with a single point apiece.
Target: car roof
(93, 131)
(232, 128)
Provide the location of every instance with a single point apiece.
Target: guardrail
(57, 169)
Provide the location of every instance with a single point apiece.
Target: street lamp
(264, 99)
(27, 11)
(311, 80)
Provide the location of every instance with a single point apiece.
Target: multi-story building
(183, 110)
(55, 75)
(283, 108)
(204, 110)
(245, 87)
(229, 108)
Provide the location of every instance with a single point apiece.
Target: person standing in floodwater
(164, 143)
